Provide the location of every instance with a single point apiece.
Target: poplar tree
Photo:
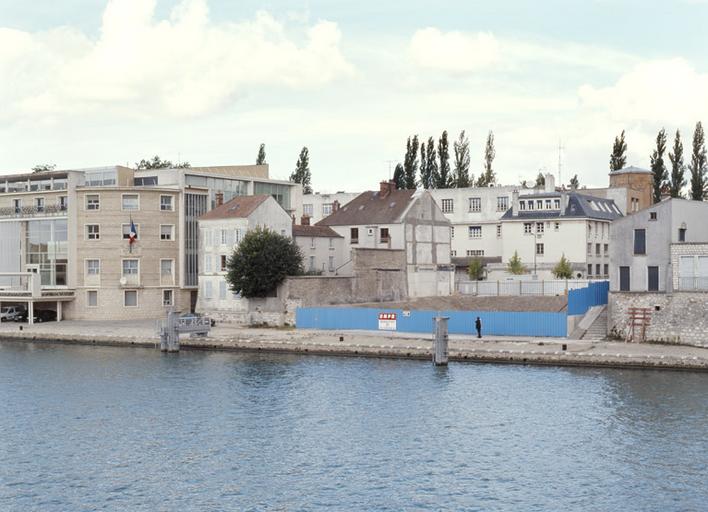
(540, 180)
(618, 158)
(698, 164)
(461, 147)
(424, 171)
(399, 177)
(488, 177)
(410, 163)
(444, 178)
(677, 168)
(261, 159)
(302, 173)
(574, 182)
(658, 167)
(429, 175)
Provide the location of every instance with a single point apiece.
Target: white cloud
(184, 66)
(453, 51)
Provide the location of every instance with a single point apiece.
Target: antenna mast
(389, 167)
(560, 162)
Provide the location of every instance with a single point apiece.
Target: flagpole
(130, 241)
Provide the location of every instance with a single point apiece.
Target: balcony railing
(33, 211)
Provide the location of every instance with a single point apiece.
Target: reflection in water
(133, 429)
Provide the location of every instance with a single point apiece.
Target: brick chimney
(305, 220)
(335, 206)
(386, 187)
(219, 198)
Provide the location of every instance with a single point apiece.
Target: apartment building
(322, 248)
(317, 206)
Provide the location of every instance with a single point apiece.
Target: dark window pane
(640, 241)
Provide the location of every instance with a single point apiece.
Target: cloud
(180, 67)
(453, 51)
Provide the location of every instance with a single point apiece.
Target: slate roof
(579, 206)
(240, 207)
(315, 231)
(371, 208)
(632, 169)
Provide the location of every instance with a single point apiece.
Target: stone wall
(678, 318)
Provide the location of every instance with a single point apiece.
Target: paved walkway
(375, 343)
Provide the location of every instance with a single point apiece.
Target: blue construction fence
(582, 299)
(497, 323)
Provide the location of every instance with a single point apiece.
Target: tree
(515, 266)
(158, 163)
(399, 177)
(302, 173)
(540, 180)
(563, 269)
(488, 177)
(658, 167)
(618, 158)
(444, 179)
(261, 159)
(698, 164)
(677, 168)
(476, 269)
(44, 168)
(461, 177)
(574, 183)
(410, 162)
(261, 262)
(428, 165)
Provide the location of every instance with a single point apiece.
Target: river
(102, 428)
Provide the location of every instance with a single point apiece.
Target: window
(39, 204)
(92, 298)
(131, 202)
(607, 270)
(331, 263)
(597, 250)
(539, 227)
(17, 204)
(354, 235)
(63, 203)
(557, 204)
(312, 263)
(548, 204)
(589, 249)
(207, 263)
(312, 242)
(384, 235)
(556, 226)
(223, 237)
(597, 269)
(331, 243)
(145, 181)
(589, 269)
(624, 279)
(126, 231)
(453, 253)
(130, 298)
(606, 249)
(528, 228)
(693, 272)
(502, 203)
(93, 202)
(167, 298)
(130, 267)
(166, 268)
(474, 231)
(539, 249)
(539, 204)
(682, 235)
(326, 209)
(237, 236)
(452, 232)
(640, 243)
(447, 205)
(222, 290)
(93, 267)
(92, 232)
(652, 215)
(207, 290)
(475, 204)
(522, 205)
(530, 203)
(166, 231)
(223, 260)
(166, 203)
(475, 252)
(307, 209)
(498, 230)
(653, 279)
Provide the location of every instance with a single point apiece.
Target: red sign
(387, 321)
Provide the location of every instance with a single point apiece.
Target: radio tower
(560, 162)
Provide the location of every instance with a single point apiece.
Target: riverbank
(521, 350)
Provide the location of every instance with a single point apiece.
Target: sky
(94, 82)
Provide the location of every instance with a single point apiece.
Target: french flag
(133, 235)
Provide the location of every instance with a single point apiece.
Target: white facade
(323, 254)
(318, 206)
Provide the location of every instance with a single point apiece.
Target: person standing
(478, 326)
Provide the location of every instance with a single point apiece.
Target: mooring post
(440, 341)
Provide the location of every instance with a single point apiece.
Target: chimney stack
(335, 206)
(219, 198)
(515, 203)
(305, 220)
(386, 187)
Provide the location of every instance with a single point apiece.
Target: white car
(11, 313)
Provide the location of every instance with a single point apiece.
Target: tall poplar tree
(431, 163)
(461, 147)
(261, 159)
(540, 180)
(677, 168)
(424, 171)
(410, 162)
(302, 173)
(658, 167)
(488, 176)
(574, 183)
(444, 176)
(698, 164)
(618, 158)
(399, 177)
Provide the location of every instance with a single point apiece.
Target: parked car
(11, 313)
(43, 315)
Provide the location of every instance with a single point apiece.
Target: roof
(371, 208)
(315, 231)
(240, 207)
(579, 206)
(632, 170)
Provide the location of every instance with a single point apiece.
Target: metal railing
(33, 211)
(520, 288)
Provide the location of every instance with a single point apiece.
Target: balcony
(50, 210)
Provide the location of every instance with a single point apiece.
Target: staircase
(598, 330)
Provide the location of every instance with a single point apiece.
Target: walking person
(478, 326)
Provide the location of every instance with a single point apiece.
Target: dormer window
(557, 204)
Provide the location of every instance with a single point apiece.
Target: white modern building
(317, 206)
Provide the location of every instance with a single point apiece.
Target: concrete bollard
(440, 341)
